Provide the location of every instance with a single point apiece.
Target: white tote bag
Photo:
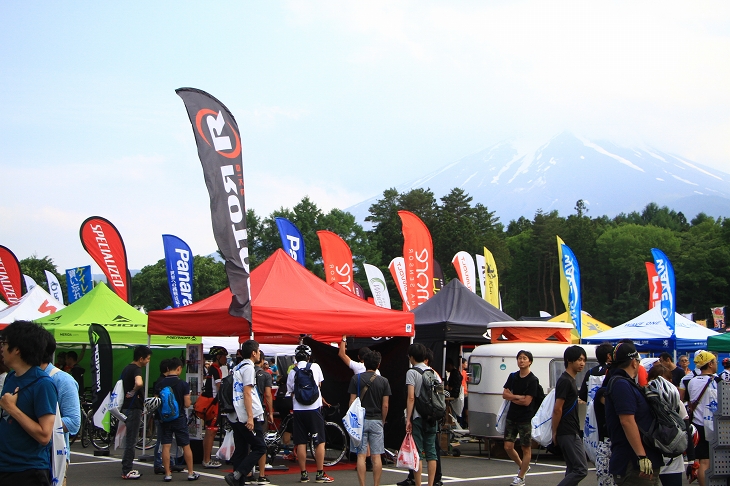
(225, 452)
(354, 421)
(501, 424)
(60, 452)
(542, 422)
(590, 432)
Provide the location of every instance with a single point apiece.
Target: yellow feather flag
(492, 279)
(564, 287)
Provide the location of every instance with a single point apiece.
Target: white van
(491, 364)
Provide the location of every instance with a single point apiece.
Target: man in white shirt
(702, 391)
(248, 419)
(357, 367)
(303, 384)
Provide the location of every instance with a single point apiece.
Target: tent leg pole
(443, 362)
(146, 457)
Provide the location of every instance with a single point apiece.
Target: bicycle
(101, 439)
(336, 439)
(84, 429)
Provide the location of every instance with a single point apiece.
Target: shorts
(702, 449)
(523, 429)
(424, 435)
(178, 427)
(308, 423)
(372, 435)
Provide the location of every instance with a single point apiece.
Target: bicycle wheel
(85, 434)
(100, 437)
(335, 446)
(151, 435)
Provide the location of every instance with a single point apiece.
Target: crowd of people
(618, 388)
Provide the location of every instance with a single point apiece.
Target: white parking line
(102, 459)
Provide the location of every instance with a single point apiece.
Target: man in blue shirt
(68, 392)
(28, 404)
(631, 463)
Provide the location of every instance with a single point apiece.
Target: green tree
(35, 268)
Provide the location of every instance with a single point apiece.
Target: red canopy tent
(286, 300)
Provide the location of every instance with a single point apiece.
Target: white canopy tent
(35, 304)
(649, 332)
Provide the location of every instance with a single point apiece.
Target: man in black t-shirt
(374, 392)
(520, 389)
(677, 372)
(566, 427)
(177, 426)
(132, 406)
(72, 360)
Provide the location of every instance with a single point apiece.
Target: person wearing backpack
(627, 411)
(422, 428)
(247, 419)
(701, 394)
(520, 389)
(133, 406)
(303, 383)
(68, 394)
(27, 407)
(565, 425)
(212, 384)
(174, 396)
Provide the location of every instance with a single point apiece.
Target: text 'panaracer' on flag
(291, 240)
(219, 149)
(179, 265)
(101, 239)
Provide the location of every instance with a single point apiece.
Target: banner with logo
(337, 259)
(10, 279)
(438, 277)
(179, 265)
(397, 269)
(359, 291)
(78, 282)
(464, 265)
(418, 256)
(570, 277)
(665, 271)
(102, 363)
(378, 287)
(30, 284)
(101, 239)
(291, 239)
(655, 286)
(481, 266)
(54, 287)
(492, 280)
(219, 150)
(718, 316)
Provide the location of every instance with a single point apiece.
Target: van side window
(475, 373)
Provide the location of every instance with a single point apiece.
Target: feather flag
(10, 276)
(491, 280)
(101, 239)
(54, 287)
(570, 277)
(179, 264)
(291, 240)
(378, 288)
(655, 286)
(665, 271)
(337, 259)
(464, 265)
(397, 269)
(481, 267)
(30, 284)
(418, 257)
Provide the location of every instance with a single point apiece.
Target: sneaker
(323, 478)
(304, 478)
(168, 479)
(230, 479)
(263, 480)
(193, 477)
(213, 464)
(250, 479)
(517, 481)
(133, 474)
(406, 482)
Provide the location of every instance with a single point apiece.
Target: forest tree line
(611, 253)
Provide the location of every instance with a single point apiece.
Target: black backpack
(667, 431)
(306, 391)
(538, 398)
(431, 400)
(225, 394)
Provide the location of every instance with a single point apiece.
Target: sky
(334, 100)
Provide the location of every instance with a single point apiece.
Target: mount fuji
(515, 180)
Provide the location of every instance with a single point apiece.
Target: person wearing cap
(725, 375)
(701, 393)
(631, 463)
(688, 376)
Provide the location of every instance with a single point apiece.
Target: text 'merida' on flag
(219, 149)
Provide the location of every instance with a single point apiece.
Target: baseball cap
(703, 357)
(624, 352)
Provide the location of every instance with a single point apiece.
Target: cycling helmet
(665, 391)
(152, 404)
(217, 351)
(303, 352)
(726, 362)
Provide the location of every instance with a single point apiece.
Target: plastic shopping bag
(121, 438)
(227, 447)
(501, 424)
(542, 422)
(408, 457)
(354, 420)
(60, 452)
(590, 432)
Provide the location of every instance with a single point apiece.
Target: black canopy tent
(454, 316)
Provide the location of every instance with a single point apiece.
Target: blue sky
(335, 100)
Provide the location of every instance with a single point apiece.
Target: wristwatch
(344, 339)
